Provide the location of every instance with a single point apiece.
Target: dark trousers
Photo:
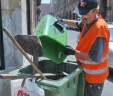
(93, 89)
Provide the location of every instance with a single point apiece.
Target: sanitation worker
(92, 49)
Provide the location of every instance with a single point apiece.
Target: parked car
(110, 56)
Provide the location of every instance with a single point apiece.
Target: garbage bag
(30, 88)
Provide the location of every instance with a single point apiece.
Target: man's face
(87, 19)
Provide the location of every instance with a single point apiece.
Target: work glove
(69, 50)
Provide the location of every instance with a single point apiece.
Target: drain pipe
(28, 17)
(2, 63)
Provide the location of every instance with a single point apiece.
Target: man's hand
(69, 50)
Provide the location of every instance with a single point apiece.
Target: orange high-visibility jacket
(95, 72)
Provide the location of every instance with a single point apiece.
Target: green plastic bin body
(71, 85)
(53, 38)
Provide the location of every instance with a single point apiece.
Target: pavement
(72, 41)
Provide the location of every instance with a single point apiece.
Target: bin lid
(53, 37)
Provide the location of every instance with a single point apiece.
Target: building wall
(58, 8)
(70, 8)
(14, 19)
(24, 19)
(45, 9)
(64, 8)
(110, 10)
(33, 15)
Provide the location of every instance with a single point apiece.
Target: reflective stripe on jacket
(95, 72)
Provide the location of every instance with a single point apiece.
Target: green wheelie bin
(70, 85)
(53, 36)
